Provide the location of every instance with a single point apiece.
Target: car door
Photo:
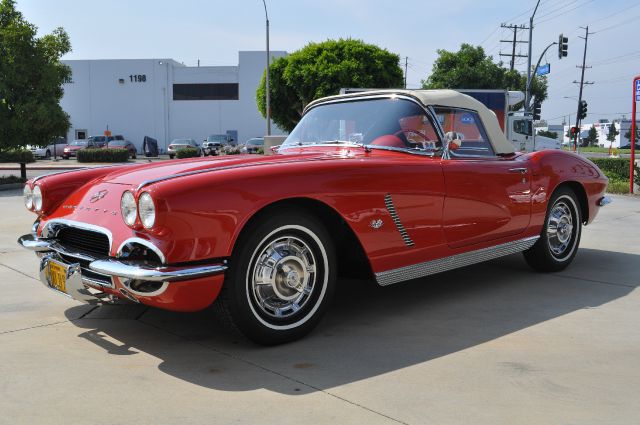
(487, 197)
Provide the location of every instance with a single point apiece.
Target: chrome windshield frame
(426, 109)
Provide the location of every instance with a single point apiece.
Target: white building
(164, 99)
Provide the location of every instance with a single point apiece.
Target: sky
(213, 31)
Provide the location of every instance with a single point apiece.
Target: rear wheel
(281, 279)
(560, 237)
(171, 156)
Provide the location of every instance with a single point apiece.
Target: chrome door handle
(518, 170)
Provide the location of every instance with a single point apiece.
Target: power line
(619, 24)
(565, 12)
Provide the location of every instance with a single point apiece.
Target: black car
(628, 146)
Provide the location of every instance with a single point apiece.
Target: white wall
(95, 98)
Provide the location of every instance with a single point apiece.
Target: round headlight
(27, 194)
(147, 210)
(128, 208)
(37, 198)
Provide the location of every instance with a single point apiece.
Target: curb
(11, 186)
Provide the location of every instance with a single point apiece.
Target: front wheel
(281, 279)
(560, 237)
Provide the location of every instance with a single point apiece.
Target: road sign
(544, 69)
(638, 91)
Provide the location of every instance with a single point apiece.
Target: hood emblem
(98, 195)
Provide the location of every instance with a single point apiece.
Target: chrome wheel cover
(283, 276)
(560, 228)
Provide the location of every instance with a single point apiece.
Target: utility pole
(268, 89)
(515, 41)
(406, 65)
(582, 82)
(527, 95)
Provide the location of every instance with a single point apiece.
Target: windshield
(79, 143)
(390, 123)
(181, 142)
(255, 142)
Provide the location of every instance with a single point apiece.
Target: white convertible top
(449, 98)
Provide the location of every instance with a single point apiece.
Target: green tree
(31, 78)
(322, 69)
(592, 137)
(613, 132)
(627, 135)
(471, 68)
(550, 134)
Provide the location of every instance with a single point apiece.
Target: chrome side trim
(414, 271)
(388, 202)
(605, 200)
(159, 274)
(51, 228)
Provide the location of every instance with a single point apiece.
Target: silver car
(179, 144)
(55, 148)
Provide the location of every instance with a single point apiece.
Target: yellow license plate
(57, 276)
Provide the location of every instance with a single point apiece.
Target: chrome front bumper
(78, 285)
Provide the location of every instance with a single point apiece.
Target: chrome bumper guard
(50, 250)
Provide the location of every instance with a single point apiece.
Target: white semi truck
(517, 126)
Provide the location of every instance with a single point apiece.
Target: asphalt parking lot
(493, 344)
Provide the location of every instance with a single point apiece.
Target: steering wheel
(426, 140)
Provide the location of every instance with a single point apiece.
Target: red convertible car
(396, 184)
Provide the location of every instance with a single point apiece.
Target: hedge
(17, 155)
(103, 155)
(614, 168)
(187, 153)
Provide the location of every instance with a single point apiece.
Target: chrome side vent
(388, 201)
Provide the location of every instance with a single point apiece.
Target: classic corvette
(393, 184)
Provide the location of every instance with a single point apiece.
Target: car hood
(136, 175)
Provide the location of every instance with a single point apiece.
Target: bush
(17, 155)
(11, 179)
(614, 168)
(618, 186)
(187, 153)
(103, 155)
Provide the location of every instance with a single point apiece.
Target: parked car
(123, 144)
(252, 145)
(178, 144)
(71, 150)
(398, 184)
(628, 146)
(55, 148)
(216, 144)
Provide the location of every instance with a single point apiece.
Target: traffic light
(537, 107)
(563, 46)
(582, 109)
(574, 131)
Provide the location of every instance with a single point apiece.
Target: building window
(221, 91)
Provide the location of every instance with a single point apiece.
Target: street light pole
(527, 94)
(268, 103)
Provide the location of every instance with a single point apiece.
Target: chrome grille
(84, 241)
